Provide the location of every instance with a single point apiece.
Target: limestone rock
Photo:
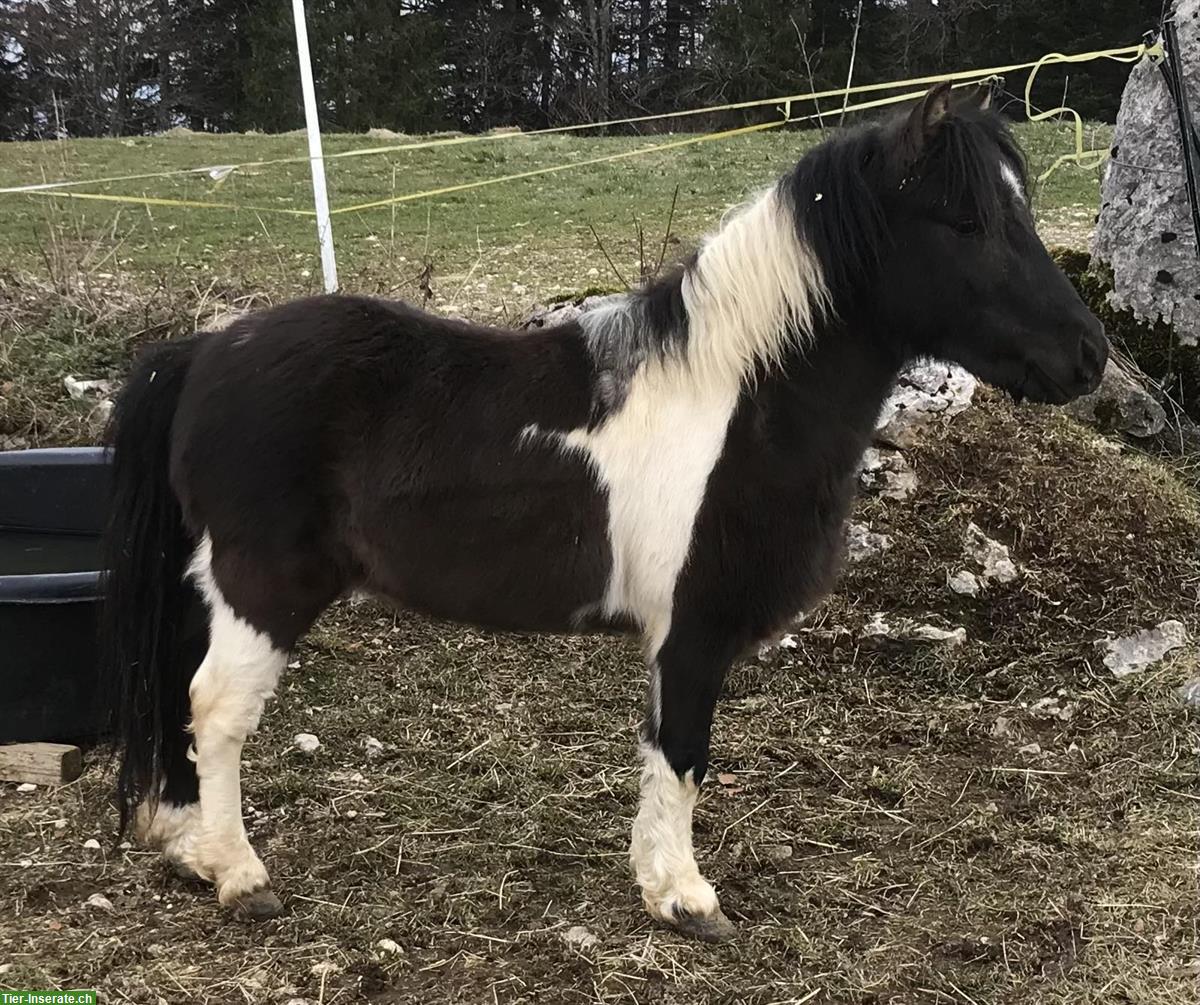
(1145, 230)
(887, 473)
(1132, 653)
(863, 543)
(923, 392)
(1120, 404)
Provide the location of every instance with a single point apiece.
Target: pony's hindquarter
(144, 654)
(183, 795)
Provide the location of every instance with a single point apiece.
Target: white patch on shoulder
(1012, 180)
(653, 457)
(754, 290)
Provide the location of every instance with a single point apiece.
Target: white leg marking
(661, 852)
(174, 830)
(229, 692)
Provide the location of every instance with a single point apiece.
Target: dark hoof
(711, 928)
(185, 872)
(258, 905)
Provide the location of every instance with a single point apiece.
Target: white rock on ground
(886, 473)
(80, 389)
(905, 629)
(923, 392)
(580, 937)
(863, 543)
(100, 902)
(964, 582)
(91, 844)
(389, 946)
(1132, 653)
(306, 743)
(1189, 694)
(992, 556)
(1144, 231)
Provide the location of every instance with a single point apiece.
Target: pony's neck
(827, 397)
(754, 293)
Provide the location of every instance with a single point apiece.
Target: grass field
(999, 823)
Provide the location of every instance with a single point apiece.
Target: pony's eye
(965, 226)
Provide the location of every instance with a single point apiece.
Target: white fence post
(316, 158)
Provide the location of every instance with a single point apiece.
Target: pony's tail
(146, 550)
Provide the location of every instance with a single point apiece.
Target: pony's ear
(983, 95)
(927, 117)
(922, 125)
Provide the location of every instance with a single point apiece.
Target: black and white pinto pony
(678, 465)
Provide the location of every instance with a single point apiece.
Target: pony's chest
(653, 459)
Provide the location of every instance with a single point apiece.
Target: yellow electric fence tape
(1086, 158)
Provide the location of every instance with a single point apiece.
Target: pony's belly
(512, 560)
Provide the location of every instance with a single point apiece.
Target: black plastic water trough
(52, 508)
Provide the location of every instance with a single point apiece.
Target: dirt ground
(885, 825)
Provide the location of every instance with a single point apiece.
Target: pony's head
(922, 228)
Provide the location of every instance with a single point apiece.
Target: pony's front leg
(686, 674)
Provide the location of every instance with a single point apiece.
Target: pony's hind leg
(228, 694)
(686, 676)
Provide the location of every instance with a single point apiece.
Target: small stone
(389, 946)
(579, 937)
(964, 582)
(1030, 749)
(306, 743)
(1136, 652)
(863, 543)
(1189, 694)
(5, 968)
(907, 630)
(100, 902)
(924, 392)
(60, 824)
(1002, 727)
(324, 968)
(373, 747)
(887, 473)
(992, 556)
(931, 633)
(777, 852)
(593, 273)
(27, 787)
(351, 814)
(91, 844)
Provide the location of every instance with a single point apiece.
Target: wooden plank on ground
(40, 763)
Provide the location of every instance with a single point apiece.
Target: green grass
(83, 282)
(540, 222)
